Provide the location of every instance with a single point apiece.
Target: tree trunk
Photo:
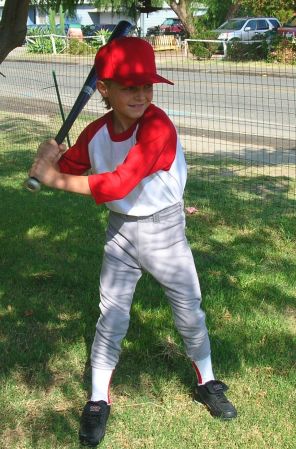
(233, 11)
(183, 12)
(13, 26)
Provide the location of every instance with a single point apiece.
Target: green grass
(51, 250)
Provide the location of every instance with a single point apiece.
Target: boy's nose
(140, 92)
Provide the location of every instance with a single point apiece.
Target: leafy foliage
(203, 50)
(66, 5)
(77, 47)
(38, 43)
(240, 51)
(129, 6)
(267, 7)
(218, 11)
(283, 51)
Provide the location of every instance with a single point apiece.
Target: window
(262, 25)
(232, 25)
(274, 23)
(251, 24)
(170, 22)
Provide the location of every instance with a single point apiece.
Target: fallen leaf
(191, 210)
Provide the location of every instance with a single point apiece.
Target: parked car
(289, 28)
(247, 28)
(169, 26)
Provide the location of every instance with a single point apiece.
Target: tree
(267, 7)
(184, 10)
(219, 10)
(13, 26)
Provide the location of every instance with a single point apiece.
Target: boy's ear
(102, 88)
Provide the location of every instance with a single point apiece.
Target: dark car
(169, 26)
(288, 29)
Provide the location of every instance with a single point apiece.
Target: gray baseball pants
(155, 244)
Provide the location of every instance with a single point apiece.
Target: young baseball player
(139, 171)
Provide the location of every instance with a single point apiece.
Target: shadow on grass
(51, 251)
(30, 127)
(23, 131)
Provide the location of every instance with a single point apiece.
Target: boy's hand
(50, 150)
(44, 167)
(45, 171)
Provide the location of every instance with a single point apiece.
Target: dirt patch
(28, 106)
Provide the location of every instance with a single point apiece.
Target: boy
(139, 172)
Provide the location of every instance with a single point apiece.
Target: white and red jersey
(138, 172)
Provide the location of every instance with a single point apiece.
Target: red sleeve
(75, 160)
(155, 150)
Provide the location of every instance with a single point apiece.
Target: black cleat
(93, 423)
(212, 395)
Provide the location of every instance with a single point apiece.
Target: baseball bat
(122, 29)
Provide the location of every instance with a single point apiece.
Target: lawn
(51, 250)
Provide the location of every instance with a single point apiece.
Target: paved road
(236, 103)
(248, 109)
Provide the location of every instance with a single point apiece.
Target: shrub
(203, 50)
(38, 40)
(283, 50)
(98, 39)
(76, 47)
(39, 45)
(239, 51)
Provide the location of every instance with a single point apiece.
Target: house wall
(109, 18)
(85, 15)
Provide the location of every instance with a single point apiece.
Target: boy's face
(128, 103)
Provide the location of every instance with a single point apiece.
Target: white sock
(101, 379)
(204, 370)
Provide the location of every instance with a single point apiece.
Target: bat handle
(33, 184)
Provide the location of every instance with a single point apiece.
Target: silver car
(247, 28)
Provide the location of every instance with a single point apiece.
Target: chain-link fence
(236, 120)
